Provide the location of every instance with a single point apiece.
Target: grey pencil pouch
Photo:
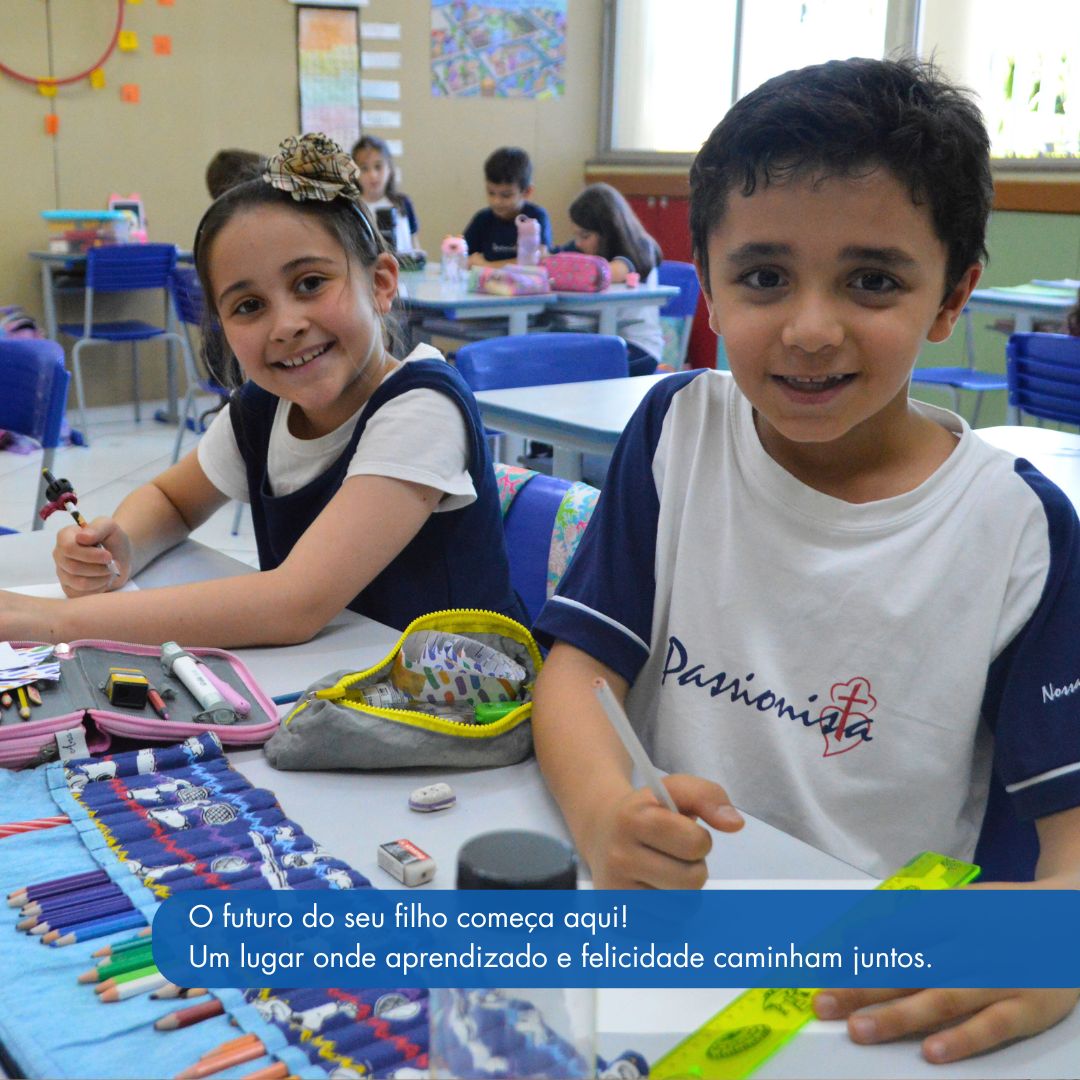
(332, 727)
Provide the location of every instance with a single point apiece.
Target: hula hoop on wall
(68, 79)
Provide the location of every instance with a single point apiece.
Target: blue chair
(541, 360)
(120, 268)
(677, 315)
(187, 308)
(963, 378)
(1044, 376)
(33, 392)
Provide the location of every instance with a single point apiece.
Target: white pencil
(621, 723)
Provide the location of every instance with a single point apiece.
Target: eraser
(432, 797)
(405, 861)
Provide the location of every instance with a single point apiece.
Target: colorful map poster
(498, 48)
(329, 62)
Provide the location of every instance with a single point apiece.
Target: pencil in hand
(621, 723)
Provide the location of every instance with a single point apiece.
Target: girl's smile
(304, 321)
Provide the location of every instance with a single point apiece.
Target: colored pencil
(56, 887)
(24, 704)
(135, 942)
(128, 976)
(171, 990)
(207, 1066)
(133, 988)
(130, 960)
(17, 828)
(193, 1014)
(278, 1071)
(230, 1046)
(99, 928)
(73, 917)
(84, 896)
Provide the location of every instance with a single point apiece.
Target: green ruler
(757, 1023)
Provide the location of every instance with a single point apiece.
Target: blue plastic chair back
(187, 295)
(528, 525)
(541, 359)
(684, 277)
(129, 267)
(33, 394)
(1044, 375)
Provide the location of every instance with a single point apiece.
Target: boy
(492, 233)
(846, 608)
(228, 168)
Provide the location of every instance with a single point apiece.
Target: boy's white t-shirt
(418, 436)
(849, 672)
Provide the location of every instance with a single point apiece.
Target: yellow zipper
(489, 622)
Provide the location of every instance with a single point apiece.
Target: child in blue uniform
(492, 233)
(369, 479)
(827, 605)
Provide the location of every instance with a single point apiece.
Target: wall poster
(328, 43)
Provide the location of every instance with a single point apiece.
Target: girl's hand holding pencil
(638, 842)
(92, 558)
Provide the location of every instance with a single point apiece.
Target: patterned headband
(315, 167)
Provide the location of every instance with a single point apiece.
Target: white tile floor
(121, 456)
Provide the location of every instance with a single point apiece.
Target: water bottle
(528, 241)
(493, 1034)
(455, 260)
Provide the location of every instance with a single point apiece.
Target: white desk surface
(351, 812)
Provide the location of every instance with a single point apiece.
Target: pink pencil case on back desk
(79, 699)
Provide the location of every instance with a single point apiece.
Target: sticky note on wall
(163, 45)
(46, 88)
(97, 79)
(52, 124)
(128, 41)
(129, 92)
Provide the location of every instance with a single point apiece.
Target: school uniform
(496, 238)
(876, 679)
(421, 424)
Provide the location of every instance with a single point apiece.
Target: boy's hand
(82, 567)
(641, 844)
(984, 1018)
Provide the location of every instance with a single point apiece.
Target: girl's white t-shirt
(418, 436)
(402, 236)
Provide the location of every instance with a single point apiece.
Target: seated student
(492, 233)
(844, 606)
(376, 164)
(369, 478)
(606, 225)
(228, 168)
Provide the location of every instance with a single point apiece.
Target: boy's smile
(824, 291)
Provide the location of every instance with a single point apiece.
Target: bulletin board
(328, 43)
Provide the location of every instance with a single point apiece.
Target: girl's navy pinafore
(457, 560)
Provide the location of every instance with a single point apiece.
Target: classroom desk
(53, 264)
(336, 808)
(424, 292)
(1025, 303)
(612, 303)
(576, 418)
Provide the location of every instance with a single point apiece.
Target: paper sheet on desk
(52, 590)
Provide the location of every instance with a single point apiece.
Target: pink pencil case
(508, 280)
(572, 271)
(79, 699)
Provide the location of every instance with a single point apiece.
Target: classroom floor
(122, 455)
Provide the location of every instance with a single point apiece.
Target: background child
(369, 479)
(376, 164)
(848, 606)
(1072, 321)
(492, 233)
(606, 225)
(228, 168)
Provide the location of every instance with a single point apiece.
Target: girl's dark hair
(846, 118)
(603, 210)
(349, 223)
(380, 146)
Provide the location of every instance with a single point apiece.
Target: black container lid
(516, 859)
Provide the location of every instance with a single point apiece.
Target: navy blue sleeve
(475, 234)
(545, 227)
(1032, 697)
(410, 213)
(604, 603)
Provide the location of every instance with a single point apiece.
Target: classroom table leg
(566, 463)
(519, 322)
(48, 301)
(608, 319)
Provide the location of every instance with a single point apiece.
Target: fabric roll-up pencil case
(105, 687)
(455, 691)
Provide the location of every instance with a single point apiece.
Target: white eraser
(405, 861)
(432, 797)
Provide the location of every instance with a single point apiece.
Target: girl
(369, 479)
(376, 165)
(605, 225)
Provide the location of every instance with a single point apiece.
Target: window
(674, 67)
